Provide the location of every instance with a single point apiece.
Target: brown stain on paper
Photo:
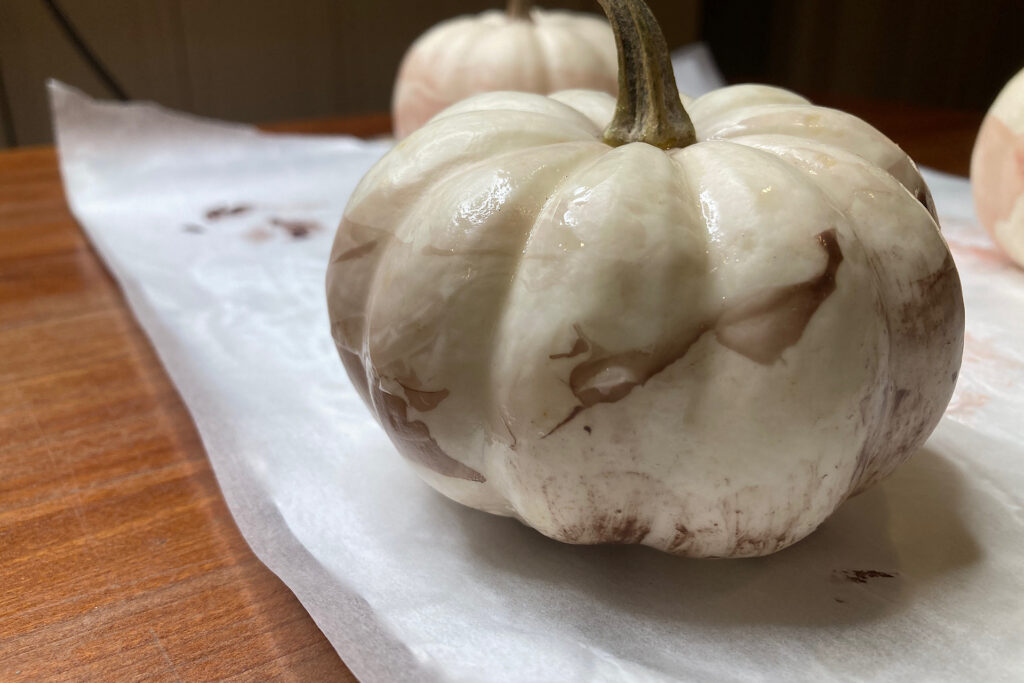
(297, 229)
(861, 575)
(224, 211)
(258, 235)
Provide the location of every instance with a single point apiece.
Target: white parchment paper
(219, 237)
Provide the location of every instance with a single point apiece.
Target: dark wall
(246, 60)
(948, 53)
(272, 60)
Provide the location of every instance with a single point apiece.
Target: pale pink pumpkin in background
(997, 170)
(523, 49)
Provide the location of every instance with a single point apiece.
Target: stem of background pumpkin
(519, 9)
(648, 109)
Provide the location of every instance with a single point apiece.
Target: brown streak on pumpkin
(356, 252)
(515, 441)
(424, 401)
(760, 327)
(356, 372)
(898, 398)
(936, 280)
(769, 322)
(901, 426)
(575, 411)
(413, 439)
(579, 347)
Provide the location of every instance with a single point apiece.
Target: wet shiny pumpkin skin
(705, 350)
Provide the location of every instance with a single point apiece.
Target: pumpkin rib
(808, 117)
(731, 98)
(506, 477)
(502, 101)
(790, 143)
(844, 132)
(816, 181)
(400, 240)
(872, 466)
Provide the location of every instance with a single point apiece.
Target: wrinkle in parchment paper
(219, 237)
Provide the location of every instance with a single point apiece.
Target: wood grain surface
(118, 557)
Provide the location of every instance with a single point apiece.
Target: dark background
(272, 60)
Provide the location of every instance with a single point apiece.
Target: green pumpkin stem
(519, 9)
(648, 109)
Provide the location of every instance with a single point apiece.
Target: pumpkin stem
(519, 9)
(648, 109)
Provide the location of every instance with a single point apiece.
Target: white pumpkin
(704, 344)
(997, 170)
(522, 49)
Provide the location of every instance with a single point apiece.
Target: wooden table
(118, 557)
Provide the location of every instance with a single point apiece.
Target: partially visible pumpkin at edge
(997, 170)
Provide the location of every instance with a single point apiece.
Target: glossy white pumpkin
(705, 350)
(467, 55)
(997, 170)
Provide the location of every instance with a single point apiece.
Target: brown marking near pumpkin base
(610, 529)
(258, 234)
(898, 398)
(297, 229)
(759, 327)
(939, 279)
(681, 536)
(413, 439)
(217, 212)
(906, 416)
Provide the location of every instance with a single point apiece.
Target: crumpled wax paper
(219, 236)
